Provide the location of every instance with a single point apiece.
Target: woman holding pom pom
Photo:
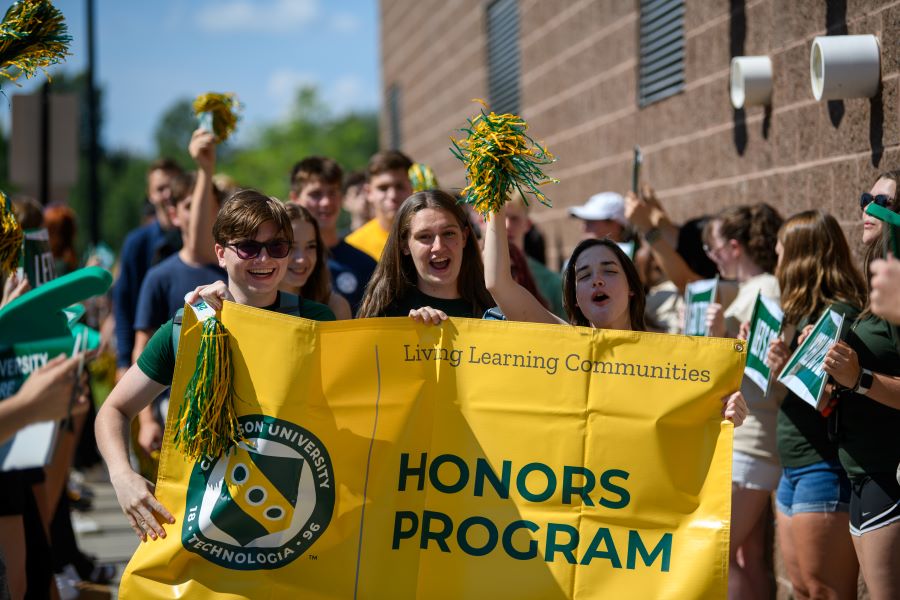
(431, 267)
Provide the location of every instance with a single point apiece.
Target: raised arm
(516, 302)
(639, 213)
(134, 392)
(200, 242)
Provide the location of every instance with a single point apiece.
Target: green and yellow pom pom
(207, 422)
(33, 35)
(224, 110)
(422, 178)
(499, 156)
(11, 237)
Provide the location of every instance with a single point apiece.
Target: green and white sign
(698, 295)
(804, 372)
(31, 446)
(765, 325)
(628, 248)
(36, 260)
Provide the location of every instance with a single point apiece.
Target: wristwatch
(865, 382)
(653, 234)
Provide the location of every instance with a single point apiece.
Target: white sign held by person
(765, 325)
(804, 374)
(698, 295)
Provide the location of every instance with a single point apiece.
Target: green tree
(173, 132)
(310, 128)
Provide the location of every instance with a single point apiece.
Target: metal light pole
(93, 190)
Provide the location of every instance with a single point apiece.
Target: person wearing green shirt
(253, 238)
(815, 273)
(867, 366)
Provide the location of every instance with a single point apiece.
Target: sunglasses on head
(880, 200)
(250, 249)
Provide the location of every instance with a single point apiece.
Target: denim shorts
(821, 487)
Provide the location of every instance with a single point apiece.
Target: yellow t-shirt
(370, 238)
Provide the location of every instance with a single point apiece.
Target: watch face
(866, 380)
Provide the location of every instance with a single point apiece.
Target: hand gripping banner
(477, 459)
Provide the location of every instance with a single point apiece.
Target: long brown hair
(816, 267)
(636, 303)
(395, 276)
(318, 285)
(876, 248)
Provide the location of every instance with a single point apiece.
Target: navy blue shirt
(165, 286)
(138, 252)
(351, 269)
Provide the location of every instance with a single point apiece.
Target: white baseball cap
(605, 206)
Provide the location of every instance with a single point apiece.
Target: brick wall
(579, 88)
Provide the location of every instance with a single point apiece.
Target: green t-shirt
(869, 431)
(802, 431)
(157, 361)
(457, 307)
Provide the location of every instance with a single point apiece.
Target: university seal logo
(262, 504)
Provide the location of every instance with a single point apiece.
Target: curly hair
(755, 227)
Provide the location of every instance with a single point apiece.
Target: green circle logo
(260, 505)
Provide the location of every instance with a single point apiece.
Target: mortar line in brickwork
(424, 91)
(700, 187)
(585, 126)
(559, 58)
(690, 137)
(404, 30)
(554, 22)
(586, 168)
(421, 59)
(419, 38)
(715, 21)
(581, 86)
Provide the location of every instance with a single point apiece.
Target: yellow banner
(479, 459)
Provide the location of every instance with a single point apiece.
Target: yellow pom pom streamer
(499, 156)
(224, 109)
(33, 35)
(422, 178)
(11, 237)
(207, 422)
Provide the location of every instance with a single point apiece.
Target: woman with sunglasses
(430, 268)
(741, 242)
(866, 367)
(253, 238)
(815, 273)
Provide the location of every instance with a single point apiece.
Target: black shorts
(12, 498)
(874, 503)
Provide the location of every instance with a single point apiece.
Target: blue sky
(150, 53)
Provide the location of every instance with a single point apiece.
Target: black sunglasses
(881, 200)
(250, 249)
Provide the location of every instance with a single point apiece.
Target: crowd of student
(424, 255)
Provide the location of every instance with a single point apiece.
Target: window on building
(661, 64)
(503, 55)
(393, 101)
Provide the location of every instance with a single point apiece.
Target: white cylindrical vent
(751, 81)
(845, 66)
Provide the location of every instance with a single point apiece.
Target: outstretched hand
(145, 513)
